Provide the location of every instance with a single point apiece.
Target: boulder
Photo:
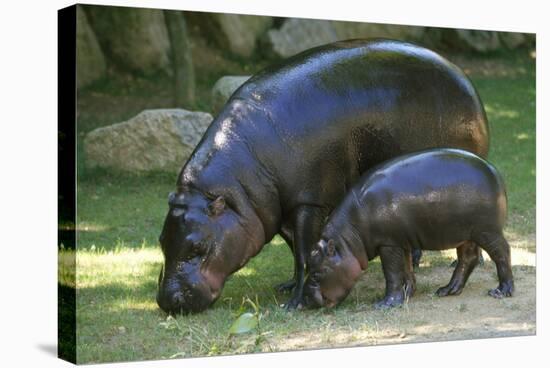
(297, 34)
(224, 88)
(135, 39)
(348, 30)
(480, 41)
(236, 33)
(242, 31)
(512, 40)
(90, 62)
(151, 141)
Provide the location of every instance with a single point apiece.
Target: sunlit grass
(66, 270)
(499, 112)
(126, 267)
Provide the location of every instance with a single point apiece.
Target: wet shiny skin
(295, 137)
(433, 200)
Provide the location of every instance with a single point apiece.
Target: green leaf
(245, 323)
(178, 355)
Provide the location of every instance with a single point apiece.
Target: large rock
(512, 40)
(297, 34)
(153, 140)
(135, 39)
(348, 30)
(480, 41)
(242, 31)
(235, 33)
(224, 88)
(90, 62)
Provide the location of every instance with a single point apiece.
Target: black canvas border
(66, 176)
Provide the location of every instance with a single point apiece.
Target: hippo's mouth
(183, 301)
(316, 297)
(329, 303)
(313, 297)
(185, 292)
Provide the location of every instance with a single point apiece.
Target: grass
(118, 260)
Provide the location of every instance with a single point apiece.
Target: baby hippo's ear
(216, 207)
(331, 248)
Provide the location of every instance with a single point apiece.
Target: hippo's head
(333, 271)
(199, 242)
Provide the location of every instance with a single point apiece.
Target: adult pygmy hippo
(436, 199)
(338, 110)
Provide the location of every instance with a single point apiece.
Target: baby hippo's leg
(416, 255)
(499, 250)
(479, 256)
(467, 260)
(393, 265)
(410, 280)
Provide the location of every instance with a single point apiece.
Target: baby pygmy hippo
(431, 200)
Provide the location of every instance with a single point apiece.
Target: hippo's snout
(172, 303)
(188, 293)
(177, 299)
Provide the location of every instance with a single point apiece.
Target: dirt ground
(426, 318)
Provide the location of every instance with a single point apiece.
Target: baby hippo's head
(333, 270)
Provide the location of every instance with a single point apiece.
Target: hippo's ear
(331, 248)
(216, 206)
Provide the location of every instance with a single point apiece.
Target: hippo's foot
(286, 287)
(451, 289)
(294, 303)
(390, 301)
(503, 290)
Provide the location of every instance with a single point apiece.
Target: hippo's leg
(499, 250)
(309, 221)
(416, 255)
(393, 264)
(410, 279)
(481, 261)
(287, 286)
(467, 260)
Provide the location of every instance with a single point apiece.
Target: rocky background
(176, 61)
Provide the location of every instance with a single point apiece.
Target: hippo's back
(381, 93)
(433, 171)
(433, 197)
(314, 123)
